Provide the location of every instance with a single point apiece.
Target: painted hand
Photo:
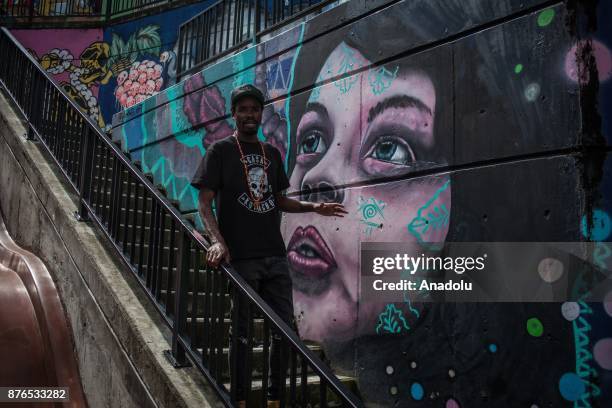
(330, 209)
(217, 253)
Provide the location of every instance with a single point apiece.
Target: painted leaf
(430, 215)
(439, 217)
(148, 40)
(391, 320)
(132, 50)
(117, 49)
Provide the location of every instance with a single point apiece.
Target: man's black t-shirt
(249, 231)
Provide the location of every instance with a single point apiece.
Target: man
(246, 179)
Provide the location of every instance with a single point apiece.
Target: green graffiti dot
(546, 17)
(518, 68)
(535, 327)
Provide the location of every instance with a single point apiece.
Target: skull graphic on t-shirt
(258, 182)
(259, 197)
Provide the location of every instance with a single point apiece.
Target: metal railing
(160, 248)
(25, 11)
(231, 24)
(51, 8)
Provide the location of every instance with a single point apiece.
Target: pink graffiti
(206, 106)
(575, 66)
(602, 352)
(607, 304)
(451, 403)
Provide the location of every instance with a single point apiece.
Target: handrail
(85, 156)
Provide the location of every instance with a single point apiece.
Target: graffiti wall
(76, 59)
(107, 70)
(430, 121)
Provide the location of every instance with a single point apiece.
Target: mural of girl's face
(374, 124)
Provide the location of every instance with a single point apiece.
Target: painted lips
(309, 255)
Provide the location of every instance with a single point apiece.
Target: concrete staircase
(199, 321)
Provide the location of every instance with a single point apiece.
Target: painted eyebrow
(316, 108)
(397, 101)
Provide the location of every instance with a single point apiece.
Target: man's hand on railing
(217, 252)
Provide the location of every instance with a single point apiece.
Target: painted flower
(205, 105)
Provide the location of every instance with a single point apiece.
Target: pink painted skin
(123, 75)
(602, 352)
(142, 78)
(150, 86)
(603, 59)
(451, 403)
(607, 304)
(324, 253)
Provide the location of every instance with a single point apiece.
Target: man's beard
(248, 131)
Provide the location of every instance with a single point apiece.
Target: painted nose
(322, 192)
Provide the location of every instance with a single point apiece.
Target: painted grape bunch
(143, 80)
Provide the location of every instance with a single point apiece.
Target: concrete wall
(480, 113)
(118, 340)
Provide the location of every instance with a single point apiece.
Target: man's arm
(290, 205)
(218, 250)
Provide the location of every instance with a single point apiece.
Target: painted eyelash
(306, 133)
(399, 139)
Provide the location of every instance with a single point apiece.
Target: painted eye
(312, 142)
(393, 151)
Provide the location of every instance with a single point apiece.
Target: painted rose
(204, 105)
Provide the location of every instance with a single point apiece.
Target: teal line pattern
(168, 181)
(240, 62)
(381, 78)
(391, 321)
(124, 137)
(316, 92)
(143, 125)
(601, 253)
(173, 112)
(389, 318)
(437, 218)
(409, 304)
(369, 209)
(288, 101)
(584, 357)
(348, 64)
(161, 170)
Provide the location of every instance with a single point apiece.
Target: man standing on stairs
(246, 179)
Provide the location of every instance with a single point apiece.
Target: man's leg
(248, 270)
(276, 290)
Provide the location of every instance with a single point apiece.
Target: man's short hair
(244, 91)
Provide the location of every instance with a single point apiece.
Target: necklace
(256, 201)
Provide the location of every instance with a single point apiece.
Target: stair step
(257, 361)
(254, 399)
